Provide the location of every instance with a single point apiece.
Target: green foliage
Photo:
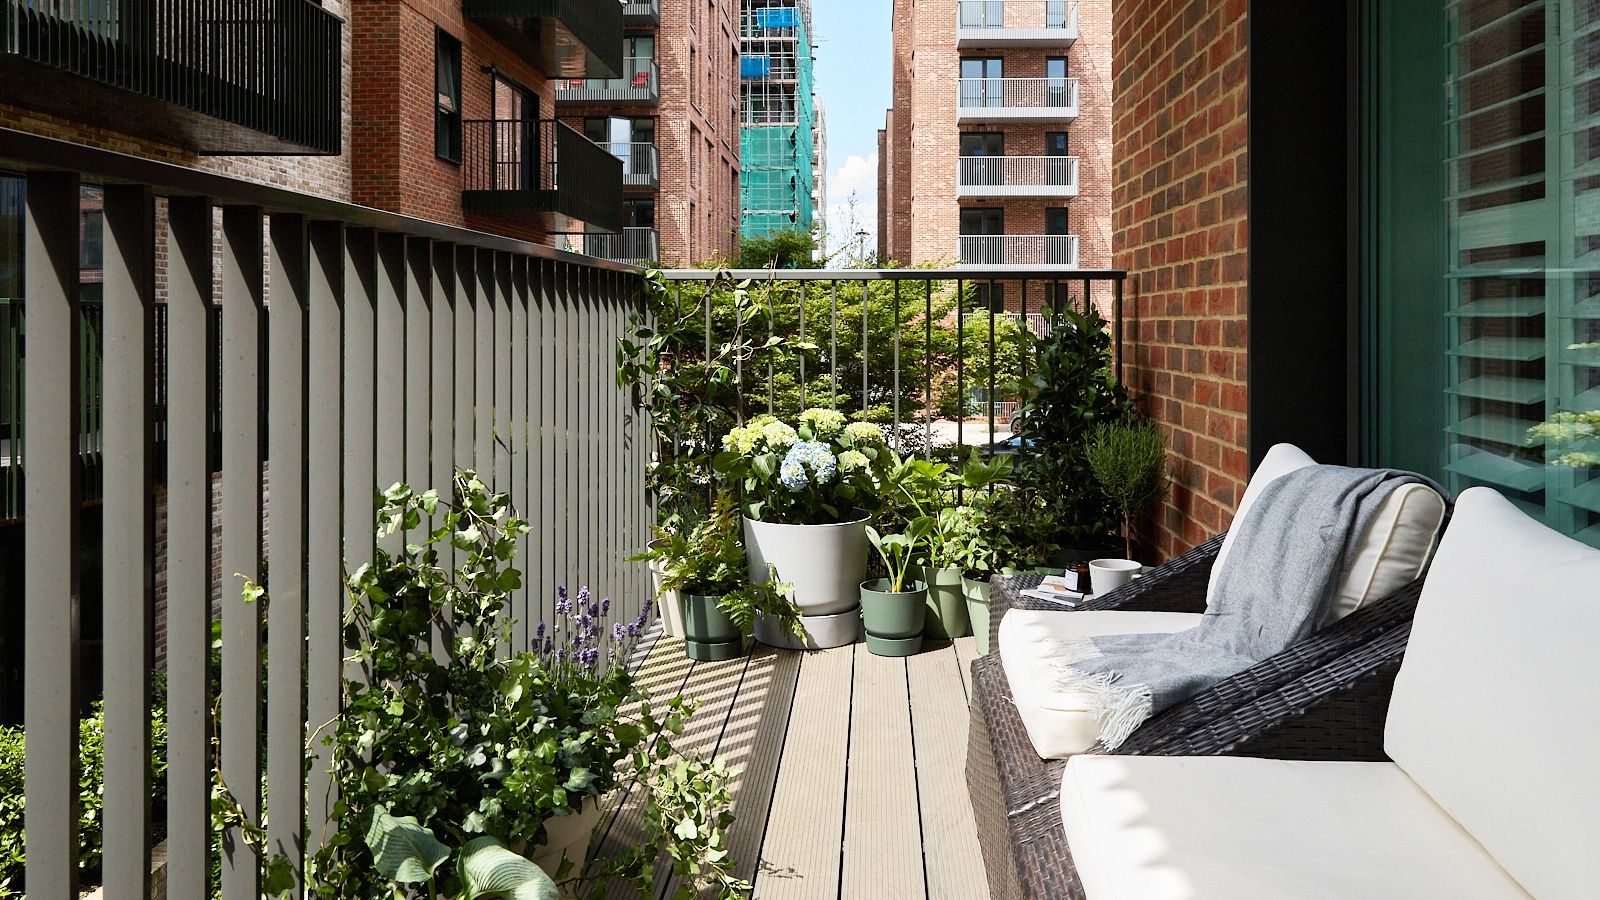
(1129, 461)
(1071, 391)
(822, 471)
(91, 789)
(406, 853)
(784, 248)
(897, 550)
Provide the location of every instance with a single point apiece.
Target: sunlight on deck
(850, 768)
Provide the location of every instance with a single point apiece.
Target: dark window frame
(446, 121)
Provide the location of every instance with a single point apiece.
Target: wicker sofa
(1324, 698)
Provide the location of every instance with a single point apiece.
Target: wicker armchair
(1324, 698)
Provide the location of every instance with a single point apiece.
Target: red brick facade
(696, 130)
(1180, 230)
(920, 222)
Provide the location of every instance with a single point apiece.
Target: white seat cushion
(1496, 710)
(1232, 828)
(1393, 553)
(1058, 722)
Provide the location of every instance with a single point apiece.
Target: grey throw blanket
(1286, 561)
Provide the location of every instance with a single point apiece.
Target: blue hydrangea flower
(808, 457)
(791, 474)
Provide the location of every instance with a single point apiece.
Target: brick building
(997, 149)
(672, 119)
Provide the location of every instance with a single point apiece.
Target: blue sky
(853, 83)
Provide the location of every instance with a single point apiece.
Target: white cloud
(853, 206)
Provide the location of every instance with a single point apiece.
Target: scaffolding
(777, 135)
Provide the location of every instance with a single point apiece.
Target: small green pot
(947, 609)
(977, 597)
(894, 619)
(709, 634)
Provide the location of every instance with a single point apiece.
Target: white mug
(1109, 574)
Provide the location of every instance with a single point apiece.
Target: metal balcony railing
(562, 38)
(527, 166)
(640, 164)
(640, 83)
(1016, 23)
(1002, 99)
(641, 12)
(1018, 250)
(640, 246)
(257, 77)
(1017, 176)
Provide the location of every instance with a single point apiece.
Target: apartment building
(672, 119)
(778, 118)
(996, 151)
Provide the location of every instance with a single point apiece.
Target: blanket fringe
(1118, 707)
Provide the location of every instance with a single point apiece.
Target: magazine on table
(1056, 589)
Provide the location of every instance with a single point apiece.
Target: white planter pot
(568, 837)
(825, 563)
(667, 605)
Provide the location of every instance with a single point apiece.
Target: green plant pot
(709, 634)
(977, 597)
(894, 619)
(947, 608)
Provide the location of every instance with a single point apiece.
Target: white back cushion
(1496, 710)
(1393, 553)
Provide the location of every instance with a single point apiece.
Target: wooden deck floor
(851, 768)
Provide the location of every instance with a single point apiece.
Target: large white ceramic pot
(826, 564)
(667, 605)
(567, 838)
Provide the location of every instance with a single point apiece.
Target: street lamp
(861, 246)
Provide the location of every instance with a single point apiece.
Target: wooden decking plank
(662, 675)
(805, 824)
(952, 862)
(966, 654)
(882, 832)
(714, 686)
(751, 745)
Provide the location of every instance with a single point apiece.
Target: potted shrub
(980, 542)
(947, 606)
(707, 571)
(1129, 462)
(893, 608)
(807, 491)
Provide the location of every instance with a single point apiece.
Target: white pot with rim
(667, 606)
(826, 564)
(567, 837)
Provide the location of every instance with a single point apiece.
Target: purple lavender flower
(563, 605)
(605, 605)
(618, 632)
(538, 633)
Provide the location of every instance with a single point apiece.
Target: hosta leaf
(402, 850)
(490, 870)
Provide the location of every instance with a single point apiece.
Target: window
(1057, 89)
(1055, 143)
(983, 143)
(981, 242)
(93, 246)
(447, 102)
(639, 213)
(982, 220)
(980, 81)
(1055, 220)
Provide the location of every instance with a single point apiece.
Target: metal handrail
(1026, 93)
(1010, 250)
(997, 14)
(1004, 171)
(638, 157)
(639, 73)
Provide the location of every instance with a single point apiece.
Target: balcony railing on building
(562, 38)
(640, 164)
(262, 77)
(1017, 176)
(1029, 251)
(640, 246)
(641, 12)
(640, 84)
(520, 166)
(1016, 23)
(1013, 99)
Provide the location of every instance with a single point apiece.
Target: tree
(786, 248)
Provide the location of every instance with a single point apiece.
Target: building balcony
(1017, 176)
(262, 78)
(562, 38)
(523, 166)
(640, 84)
(1016, 23)
(642, 12)
(641, 167)
(1017, 100)
(639, 246)
(1018, 251)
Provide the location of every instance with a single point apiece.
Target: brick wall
(1179, 228)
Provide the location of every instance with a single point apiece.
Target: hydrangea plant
(822, 470)
(1575, 435)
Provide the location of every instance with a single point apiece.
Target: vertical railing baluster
(521, 449)
(391, 365)
(866, 305)
(961, 373)
(897, 365)
(52, 495)
(502, 442)
(485, 314)
(442, 398)
(243, 293)
(360, 462)
(927, 369)
(324, 556)
(128, 588)
(989, 396)
(286, 539)
(805, 294)
(418, 347)
(191, 367)
(833, 344)
(550, 323)
(466, 312)
(564, 413)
